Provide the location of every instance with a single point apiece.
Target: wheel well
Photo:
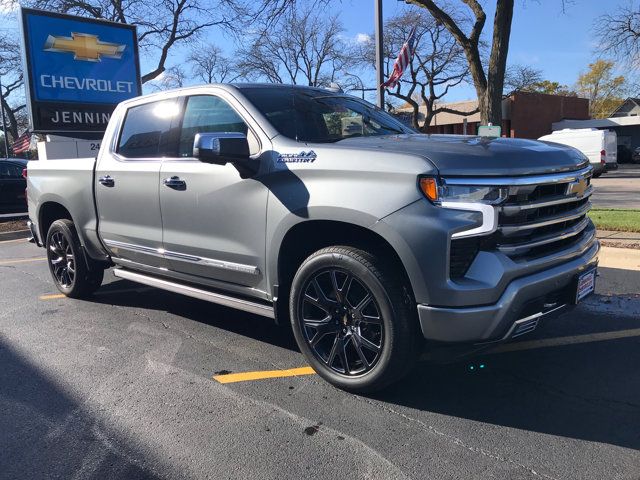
(49, 213)
(307, 237)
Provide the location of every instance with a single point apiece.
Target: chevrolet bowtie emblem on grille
(577, 187)
(84, 47)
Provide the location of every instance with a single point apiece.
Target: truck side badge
(302, 157)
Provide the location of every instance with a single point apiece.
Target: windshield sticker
(302, 157)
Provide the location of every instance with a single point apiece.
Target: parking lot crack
(456, 440)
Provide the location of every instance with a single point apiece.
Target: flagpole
(379, 52)
(4, 126)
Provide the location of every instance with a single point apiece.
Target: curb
(610, 238)
(15, 235)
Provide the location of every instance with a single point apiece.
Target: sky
(542, 36)
(560, 44)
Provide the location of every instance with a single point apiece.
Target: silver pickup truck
(317, 209)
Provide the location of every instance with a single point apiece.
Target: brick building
(524, 115)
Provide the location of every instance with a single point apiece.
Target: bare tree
(172, 77)
(522, 78)
(166, 24)
(437, 65)
(619, 34)
(303, 47)
(12, 99)
(490, 83)
(210, 65)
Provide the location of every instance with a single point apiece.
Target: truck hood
(458, 155)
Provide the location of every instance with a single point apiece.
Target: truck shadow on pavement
(46, 433)
(587, 391)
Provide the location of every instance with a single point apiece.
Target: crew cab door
(213, 219)
(128, 183)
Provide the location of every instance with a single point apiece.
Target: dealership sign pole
(76, 71)
(4, 127)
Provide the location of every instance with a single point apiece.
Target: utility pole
(379, 53)
(4, 126)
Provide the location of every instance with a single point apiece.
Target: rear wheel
(67, 262)
(353, 319)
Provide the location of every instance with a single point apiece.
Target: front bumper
(524, 302)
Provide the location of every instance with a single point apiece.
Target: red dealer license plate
(586, 284)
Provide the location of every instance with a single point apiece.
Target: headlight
(475, 198)
(440, 193)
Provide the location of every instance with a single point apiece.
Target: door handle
(175, 183)
(107, 181)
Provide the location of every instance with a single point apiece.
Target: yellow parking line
(261, 375)
(562, 341)
(22, 260)
(52, 296)
(17, 240)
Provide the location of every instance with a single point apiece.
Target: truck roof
(232, 86)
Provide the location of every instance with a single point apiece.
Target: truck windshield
(318, 116)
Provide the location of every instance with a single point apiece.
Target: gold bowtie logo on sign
(578, 186)
(84, 47)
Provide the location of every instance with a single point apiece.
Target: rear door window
(208, 114)
(146, 132)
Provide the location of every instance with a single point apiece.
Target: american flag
(22, 143)
(404, 57)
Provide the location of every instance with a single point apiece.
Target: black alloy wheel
(74, 273)
(354, 318)
(342, 322)
(62, 260)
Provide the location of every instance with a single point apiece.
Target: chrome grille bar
(563, 217)
(518, 248)
(510, 210)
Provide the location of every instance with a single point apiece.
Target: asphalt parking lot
(122, 387)
(618, 188)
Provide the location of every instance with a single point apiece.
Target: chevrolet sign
(84, 47)
(77, 70)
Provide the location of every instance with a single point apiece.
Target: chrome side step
(237, 303)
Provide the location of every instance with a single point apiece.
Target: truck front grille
(542, 215)
(539, 219)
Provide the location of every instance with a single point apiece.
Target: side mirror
(221, 148)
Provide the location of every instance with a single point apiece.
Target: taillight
(603, 156)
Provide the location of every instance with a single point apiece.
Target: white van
(601, 146)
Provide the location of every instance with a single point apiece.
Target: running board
(238, 304)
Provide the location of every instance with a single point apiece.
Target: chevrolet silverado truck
(315, 208)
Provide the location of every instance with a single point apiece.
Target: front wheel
(67, 262)
(354, 319)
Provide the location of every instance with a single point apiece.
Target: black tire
(597, 175)
(379, 337)
(68, 264)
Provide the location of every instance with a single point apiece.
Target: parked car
(624, 154)
(636, 155)
(600, 146)
(317, 209)
(12, 185)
